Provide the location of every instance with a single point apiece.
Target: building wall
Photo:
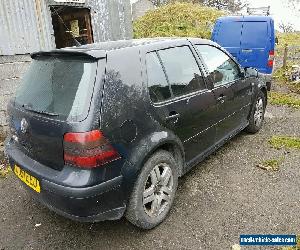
(141, 7)
(12, 69)
(26, 25)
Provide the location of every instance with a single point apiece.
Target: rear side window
(58, 85)
(221, 67)
(182, 70)
(157, 83)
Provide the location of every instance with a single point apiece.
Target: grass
(284, 99)
(271, 164)
(285, 142)
(291, 39)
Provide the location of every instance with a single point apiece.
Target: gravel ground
(221, 198)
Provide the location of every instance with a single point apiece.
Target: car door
(180, 99)
(232, 91)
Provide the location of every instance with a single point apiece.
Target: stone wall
(12, 69)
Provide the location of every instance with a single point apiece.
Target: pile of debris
(295, 73)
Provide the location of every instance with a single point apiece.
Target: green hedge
(177, 19)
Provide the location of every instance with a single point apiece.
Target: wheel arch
(163, 140)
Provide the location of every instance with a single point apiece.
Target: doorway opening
(72, 26)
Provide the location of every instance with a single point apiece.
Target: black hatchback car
(105, 130)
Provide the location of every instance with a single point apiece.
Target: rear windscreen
(59, 86)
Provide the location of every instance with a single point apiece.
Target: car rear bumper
(104, 201)
(81, 206)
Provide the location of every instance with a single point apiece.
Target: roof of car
(98, 50)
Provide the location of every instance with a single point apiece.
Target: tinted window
(221, 67)
(157, 83)
(182, 70)
(57, 85)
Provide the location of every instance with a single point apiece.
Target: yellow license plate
(29, 180)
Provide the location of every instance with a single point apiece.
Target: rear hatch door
(55, 92)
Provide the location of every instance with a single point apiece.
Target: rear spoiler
(77, 53)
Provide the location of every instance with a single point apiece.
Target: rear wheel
(154, 191)
(257, 114)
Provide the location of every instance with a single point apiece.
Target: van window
(157, 83)
(182, 70)
(221, 67)
(59, 86)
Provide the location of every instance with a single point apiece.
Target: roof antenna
(69, 31)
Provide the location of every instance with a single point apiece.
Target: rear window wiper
(25, 106)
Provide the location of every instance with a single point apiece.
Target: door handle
(173, 116)
(221, 98)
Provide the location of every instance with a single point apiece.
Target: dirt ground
(221, 198)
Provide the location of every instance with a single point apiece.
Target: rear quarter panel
(125, 117)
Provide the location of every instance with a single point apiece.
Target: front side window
(182, 70)
(221, 67)
(157, 83)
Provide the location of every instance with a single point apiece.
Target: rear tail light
(271, 58)
(88, 150)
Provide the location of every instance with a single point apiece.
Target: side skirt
(212, 149)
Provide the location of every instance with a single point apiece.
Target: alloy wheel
(259, 112)
(158, 190)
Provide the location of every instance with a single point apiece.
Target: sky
(279, 11)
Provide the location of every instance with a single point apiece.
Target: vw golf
(105, 130)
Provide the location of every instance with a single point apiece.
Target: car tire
(257, 114)
(154, 191)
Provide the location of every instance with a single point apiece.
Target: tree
(286, 27)
(294, 4)
(178, 19)
(229, 5)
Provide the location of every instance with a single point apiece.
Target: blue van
(250, 39)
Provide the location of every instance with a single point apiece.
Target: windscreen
(58, 86)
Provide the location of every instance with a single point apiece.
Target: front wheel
(154, 191)
(257, 114)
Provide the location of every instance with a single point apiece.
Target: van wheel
(154, 191)
(257, 114)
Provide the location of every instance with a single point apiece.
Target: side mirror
(251, 72)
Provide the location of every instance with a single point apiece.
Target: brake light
(88, 150)
(271, 58)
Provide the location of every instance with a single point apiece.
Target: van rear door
(255, 45)
(228, 33)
